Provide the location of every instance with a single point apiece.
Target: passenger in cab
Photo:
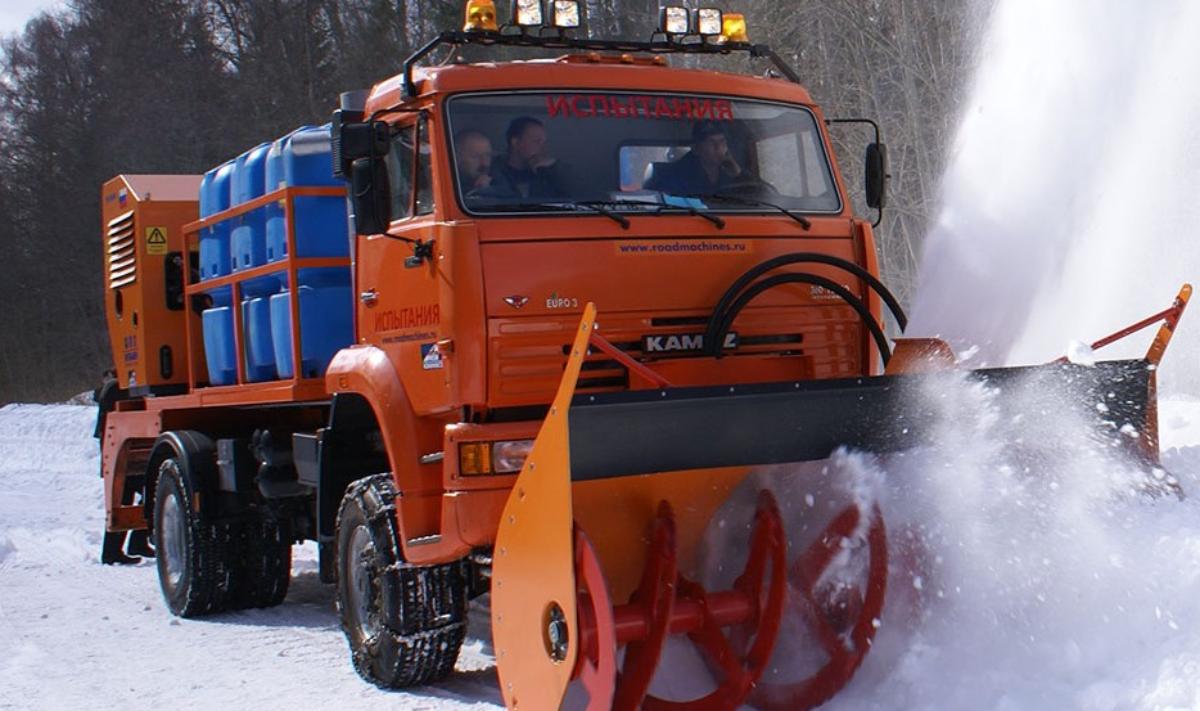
(706, 168)
(528, 170)
(473, 154)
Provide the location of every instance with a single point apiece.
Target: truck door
(398, 308)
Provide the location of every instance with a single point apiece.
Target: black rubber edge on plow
(643, 432)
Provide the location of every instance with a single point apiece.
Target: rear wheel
(262, 567)
(193, 568)
(404, 623)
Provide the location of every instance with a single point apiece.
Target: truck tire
(193, 560)
(262, 567)
(404, 623)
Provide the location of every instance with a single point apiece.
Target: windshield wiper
(564, 205)
(693, 210)
(738, 199)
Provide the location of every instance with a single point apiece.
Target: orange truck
(524, 333)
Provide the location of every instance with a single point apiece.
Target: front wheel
(404, 623)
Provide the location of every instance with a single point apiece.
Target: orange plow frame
(581, 629)
(555, 591)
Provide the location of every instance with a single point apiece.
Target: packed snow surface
(76, 634)
(1009, 588)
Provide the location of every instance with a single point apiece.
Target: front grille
(821, 341)
(122, 252)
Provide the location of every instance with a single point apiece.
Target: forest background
(104, 87)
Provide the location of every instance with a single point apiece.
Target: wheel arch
(197, 456)
(368, 373)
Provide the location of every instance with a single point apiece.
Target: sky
(15, 13)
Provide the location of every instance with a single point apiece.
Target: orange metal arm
(626, 360)
(1168, 317)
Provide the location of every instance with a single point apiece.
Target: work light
(480, 16)
(674, 20)
(565, 14)
(527, 13)
(708, 22)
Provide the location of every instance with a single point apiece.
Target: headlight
(503, 457)
(510, 456)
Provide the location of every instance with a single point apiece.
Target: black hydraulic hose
(710, 344)
(853, 301)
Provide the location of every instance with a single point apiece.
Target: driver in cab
(528, 170)
(706, 168)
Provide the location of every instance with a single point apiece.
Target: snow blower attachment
(609, 510)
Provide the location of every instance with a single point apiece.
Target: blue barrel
(307, 161)
(249, 248)
(217, 321)
(260, 346)
(276, 228)
(219, 352)
(214, 241)
(326, 321)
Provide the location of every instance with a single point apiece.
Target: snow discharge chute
(609, 509)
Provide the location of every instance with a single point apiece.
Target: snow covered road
(1114, 624)
(77, 634)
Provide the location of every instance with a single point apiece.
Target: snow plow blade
(693, 428)
(606, 517)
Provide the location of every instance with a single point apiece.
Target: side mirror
(876, 175)
(371, 195)
(356, 139)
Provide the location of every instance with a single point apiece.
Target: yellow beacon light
(733, 27)
(480, 16)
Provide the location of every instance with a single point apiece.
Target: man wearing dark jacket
(528, 171)
(707, 168)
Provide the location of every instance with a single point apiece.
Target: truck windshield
(561, 151)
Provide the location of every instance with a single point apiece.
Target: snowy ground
(77, 634)
(1085, 603)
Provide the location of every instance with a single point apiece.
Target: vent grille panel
(122, 252)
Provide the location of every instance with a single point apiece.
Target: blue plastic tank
(249, 244)
(306, 156)
(214, 241)
(248, 250)
(276, 228)
(260, 346)
(326, 321)
(219, 352)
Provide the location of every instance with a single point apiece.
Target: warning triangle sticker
(156, 240)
